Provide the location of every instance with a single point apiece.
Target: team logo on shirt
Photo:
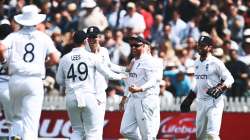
(207, 67)
(138, 65)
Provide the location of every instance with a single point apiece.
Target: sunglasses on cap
(93, 36)
(202, 45)
(136, 45)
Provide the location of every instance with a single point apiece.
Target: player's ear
(210, 47)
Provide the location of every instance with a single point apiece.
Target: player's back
(27, 52)
(78, 70)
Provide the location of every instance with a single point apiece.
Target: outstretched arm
(108, 73)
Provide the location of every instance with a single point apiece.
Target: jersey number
(28, 55)
(82, 70)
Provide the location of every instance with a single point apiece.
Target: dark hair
(5, 29)
(79, 37)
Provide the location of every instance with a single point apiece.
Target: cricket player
(77, 71)
(5, 29)
(142, 111)
(102, 54)
(29, 49)
(213, 79)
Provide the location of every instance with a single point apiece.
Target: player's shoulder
(215, 60)
(13, 35)
(103, 50)
(149, 62)
(87, 56)
(41, 34)
(65, 57)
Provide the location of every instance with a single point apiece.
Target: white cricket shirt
(208, 74)
(28, 49)
(144, 74)
(77, 69)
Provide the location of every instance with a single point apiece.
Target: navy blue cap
(204, 40)
(139, 39)
(79, 37)
(93, 31)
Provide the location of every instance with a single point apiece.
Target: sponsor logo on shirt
(131, 74)
(203, 76)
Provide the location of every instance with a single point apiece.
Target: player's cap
(93, 31)
(204, 40)
(79, 37)
(138, 40)
(30, 16)
(5, 29)
(88, 4)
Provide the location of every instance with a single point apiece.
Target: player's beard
(202, 53)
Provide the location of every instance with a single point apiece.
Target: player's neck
(95, 49)
(202, 58)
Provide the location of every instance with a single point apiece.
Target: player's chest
(136, 71)
(204, 71)
(101, 57)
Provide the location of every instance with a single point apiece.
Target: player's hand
(134, 89)
(216, 91)
(122, 103)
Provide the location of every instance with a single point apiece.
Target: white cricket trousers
(85, 121)
(208, 118)
(102, 107)
(5, 100)
(142, 114)
(26, 97)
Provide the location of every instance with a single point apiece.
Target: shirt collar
(78, 49)
(27, 29)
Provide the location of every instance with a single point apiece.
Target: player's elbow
(130, 134)
(53, 59)
(126, 133)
